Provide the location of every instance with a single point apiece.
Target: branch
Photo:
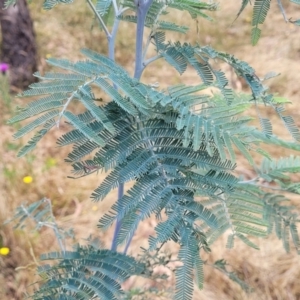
(99, 18)
(282, 10)
(115, 6)
(147, 44)
(142, 10)
(118, 223)
(74, 94)
(150, 60)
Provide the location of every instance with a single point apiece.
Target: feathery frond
(86, 273)
(184, 274)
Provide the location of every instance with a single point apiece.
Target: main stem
(111, 54)
(142, 10)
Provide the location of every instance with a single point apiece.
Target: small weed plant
(177, 147)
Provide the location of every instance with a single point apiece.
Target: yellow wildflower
(4, 251)
(94, 208)
(27, 179)
(50, 162)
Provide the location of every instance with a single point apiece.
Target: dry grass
(61, 33)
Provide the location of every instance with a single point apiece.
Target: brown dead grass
(61, 33)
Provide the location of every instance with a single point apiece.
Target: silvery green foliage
(260, 11)
(177, 145)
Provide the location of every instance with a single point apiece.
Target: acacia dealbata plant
(177, 145)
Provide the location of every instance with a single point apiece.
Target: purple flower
(3, 67)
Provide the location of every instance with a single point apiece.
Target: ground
(61, 33)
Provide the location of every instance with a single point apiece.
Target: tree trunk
(18, 48)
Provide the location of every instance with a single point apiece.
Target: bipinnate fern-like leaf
(179, 56)
(77, 86)
(272, 169)
(200, 121)
(36, 123)
(261, 8)
(188, 254)
(87, 131)
(255, 35)
(85, 273)
(49, 4)
(40, 212)
(283, 219)
(159, 8)
(161, 25)
(198, 271)
(103, 6)
(195, 8)
(260, 11)
(242, 213)
(266, 126)
(253, 212)
(289, 123)
(36, 138)
(221, 265)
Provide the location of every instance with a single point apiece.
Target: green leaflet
(203, 213)
(194, 7)
(246, 241)
(260, 10)
(184, 274)
(243, 150)
(37, 122)
(81, 151)
(37, 137)
(199, 272)
(266, 126)
(289, 164)
(255, 35)
(53, 87)
(165, 230)
(295, 236)
(230, 241)
(158, 8)
(88, 132)
(243, 6)
(58, 76)
(161, 25)
(53, 102)
(122, 102)
(176, 59)
(97, 111)
(104, 61)
(49, 4)
(221, 266)
(103, 7)
(133, 94)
